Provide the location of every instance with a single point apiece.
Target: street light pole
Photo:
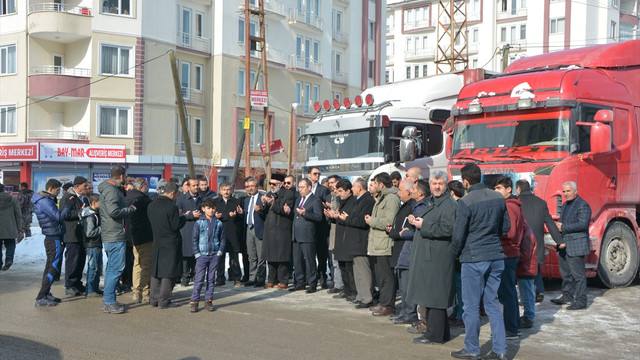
(292, 110)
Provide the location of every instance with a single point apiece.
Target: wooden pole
(182, 114)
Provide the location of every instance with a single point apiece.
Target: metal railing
(60, 70)
(273, 6)
(194, 42)
(79, 10)
(307, 17)
(193, 96)
(417, 24)
(59, 134)
(341, 77)
(340, 36)
(420, 53)
(511, 14)
(273, 55)
(304, 63)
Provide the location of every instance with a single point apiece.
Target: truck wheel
(618, 263)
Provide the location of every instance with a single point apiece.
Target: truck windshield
(344, 145)
(547, 138)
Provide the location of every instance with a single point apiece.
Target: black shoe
(404, 320)
(464, 354)
(526, 323)
(352, 299)
(539, 297)
(493, 356)
(259, 284)
(324, 284)
(169, 305)
(50, 297)
(249, 283)
(576, 307)
(334, 290)
(72, 291)
(340, 296)
(7, 266)
(296, 288)
(310, 290)
(423, 340)
(512, 336)
(363, 305)
(560, 301)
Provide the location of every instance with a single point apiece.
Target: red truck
(564, 116)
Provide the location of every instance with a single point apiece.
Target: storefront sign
(65, 152)
(19, 152)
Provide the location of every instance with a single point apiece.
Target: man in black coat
(205, 191)
(356, 236)
(346, 202)
(227, 212)
(166, 262)
(142, 240)
(536, 212)
(189, 204)
(75, 254)
(276, 244)
(322, 232)
(308, 211)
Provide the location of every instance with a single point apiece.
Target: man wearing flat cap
(75, 255)
(276, 243)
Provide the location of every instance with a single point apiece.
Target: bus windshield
(345, 145)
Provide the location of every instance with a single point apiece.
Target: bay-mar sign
(259, 98)
(65, 152)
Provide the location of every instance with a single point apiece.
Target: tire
(618, 263)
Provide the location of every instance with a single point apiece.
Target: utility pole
(505, 56)
(182, 114)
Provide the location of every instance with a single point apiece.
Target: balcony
(300, 63)
(340, 77)
(506, 15)
(342, 2)
(59, 83)
(304, 17)
(270, 6)
(273, 55)
(190, 41)
(193, 96)
(59, 22)
(418, 24)
(340, 37)
(420, 54)
(58, 135)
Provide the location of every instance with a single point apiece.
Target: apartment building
(86, 84)
(526, 27)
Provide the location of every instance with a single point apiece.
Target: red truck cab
(564, 116)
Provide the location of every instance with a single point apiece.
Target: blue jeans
(94, 269)
(508, 296)
(482, 280)
(116, 253)
(206, 267)
(539, 283)
(528, 297)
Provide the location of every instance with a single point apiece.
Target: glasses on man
(316, 173)
(288, 182)
(273, 184)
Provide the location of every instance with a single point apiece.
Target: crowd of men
(434, 243)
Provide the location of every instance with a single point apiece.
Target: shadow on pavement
(12, 347)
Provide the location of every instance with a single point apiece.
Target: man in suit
(189, 204)
(75, 255)
(574, 225)
(536, 213)
(307, 212)
(356, 236)
(254, 220)
(322, 232)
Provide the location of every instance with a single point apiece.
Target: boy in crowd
(93, 244)
(208, 243)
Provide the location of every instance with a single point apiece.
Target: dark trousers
(437, 325)
(278, 272)
(346, 270)
(574, 280)
(206, 267)
(53, 249)
(161, 291)
(386, 281)
(234, 272)
(538, 282)
(322, 253)
(10, 245)
(74, 260)
(245, 265)
(188, 269)
(304, 262)
(127, 273)
(508, 296)
(407, 309)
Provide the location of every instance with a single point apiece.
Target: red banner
(19, 152)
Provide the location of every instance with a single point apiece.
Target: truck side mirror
(600, 138)
(408, 144)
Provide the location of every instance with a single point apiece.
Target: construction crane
(452, 29)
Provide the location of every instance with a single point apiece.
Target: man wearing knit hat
(75, 255)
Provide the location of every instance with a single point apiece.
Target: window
(186, 26)
(337, 25)
(179, 133)
(612, 30)
(199, 30)
(253, 30)
(197, 77)
(185, 79)
(513, 35)
(424, 70)
(116, 7)
(503, 34)
(409, 44)
(390, 23)
(372, 67)
(298, 92)
(474, 63)
(316, 51)
(386, 76)
(338, 63)
(316, 94)
(614, 3)
(425, 42)
(252, 77)
(408, 74)
(416, 71)
(8, 7)
(116, 60)
(197, 130)
(475, 36)
(514, 7)
(8, 59)
(298, 134)
(523, 4)
(114, 121)
(523, 32)
(556, 26)
(7, 119)
(307, 98)
(372, 30)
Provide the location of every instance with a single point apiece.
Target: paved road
(269, 324)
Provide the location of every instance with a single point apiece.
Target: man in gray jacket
(114, 214)
(10, 223)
